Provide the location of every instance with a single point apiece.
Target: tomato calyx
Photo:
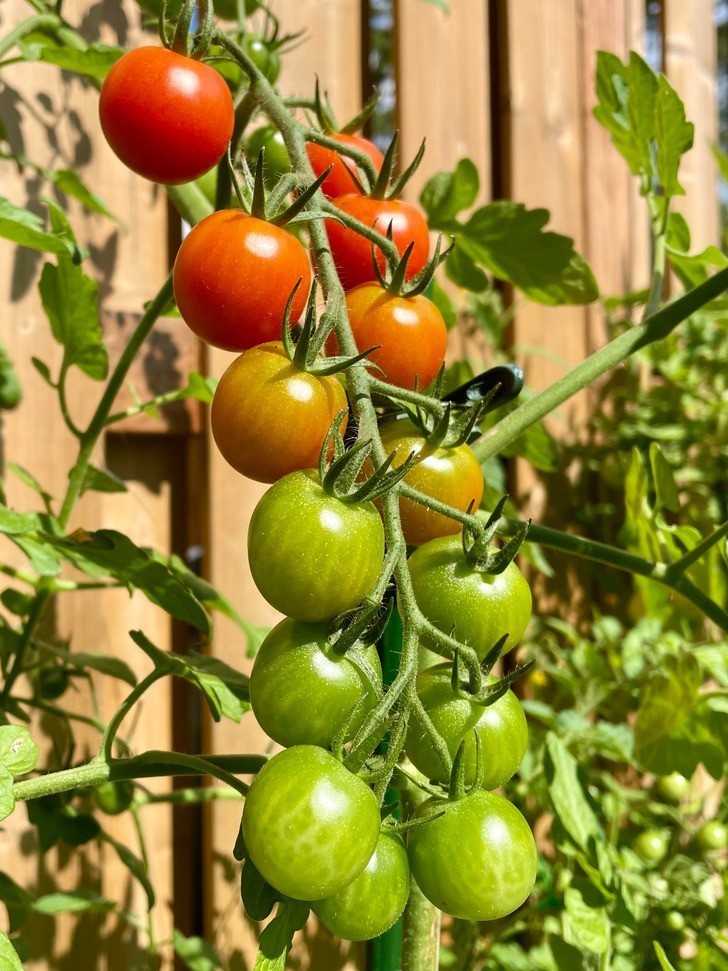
(477, 539)
(490, 691)
(255, 201)
(176, 32)
(304, 352)
(325, 114)
(386, 186)
(339, 476)
(395, 275)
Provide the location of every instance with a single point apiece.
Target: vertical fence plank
(331, 50)
(53, 118)
(690, 43)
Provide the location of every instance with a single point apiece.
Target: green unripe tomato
(369, 905)
(310, 826)
(276, 161)
(480, 607)
(712, 835)
(302, 690)
(264, 55)
(53, 682)
(113, 798)
(651, 845)
(672, 788)
(674, 921)
(478, 860)
(501, 727)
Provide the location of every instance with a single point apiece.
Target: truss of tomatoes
(312, 828)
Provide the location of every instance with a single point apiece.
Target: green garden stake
(385, 952)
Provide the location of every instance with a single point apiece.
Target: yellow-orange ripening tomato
(409, 333)
(270, 418)
(450, 475)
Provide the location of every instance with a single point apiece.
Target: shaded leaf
(258, 897)
(101, 480)
(135, 866)
(16, 899)
(26, 229)
(275, 941)
(195, 953)
(567, 795)
(71, 903)
(70, 300)
(590, 924)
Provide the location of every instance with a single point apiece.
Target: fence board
(690, 42)
(331, 50)
(55, 119)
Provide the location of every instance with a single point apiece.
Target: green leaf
(448, 193)
(55, 823)
(195, 953)
(224, 688)
(70, 300)
(68, 181)
(275, 941)
(18, 752)
(44, 371)
(666, 491)
(71, 903)
(9, 960)
(567, 795)
(508, 239)
(103, 663)
(135, 866)
(589, 922)
(463, 272)
(28, 479)
(17, 523)
(109, 553)
(94, 62)
(443, 303)
(100, 480)
(646, 120)
(662, 957)
(16, 602)
(258, 897)
(40, 554)
(7, 799)
(26, 229)
(16, 899)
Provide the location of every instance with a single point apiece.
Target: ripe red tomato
(375, 899)
(409, 333)
(311, 555)
(268, 417)
(353, 253)
(479, 606)
(296, 663)
(451, 475)
(501, 727)
(233, 276)
(478, 860)
(168, 117)
(339, 181)
(310, 826)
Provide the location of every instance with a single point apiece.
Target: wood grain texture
(53, 118)
(690, 64)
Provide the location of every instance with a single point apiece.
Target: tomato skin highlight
(233, 276)
(369, 905)
(353, 253)
(339, 181)
(167, 117)
(302, 690)
(310, 826)
(409, 334)
(478, 860)
(479, 606)
(651, 845)
(269, 418)
(311, 555)
(501, 727)
(451, 475)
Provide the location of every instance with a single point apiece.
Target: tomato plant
(673, 787)
(651, 845)
(167, 117)
(264, 55)
(313, 556)
(114, 798)
(310, 825)
(480, 607)
(270, 418)
(477, 861)
(408, 334)
(373, 901)
(450, 475)
(269, 139)
(339, 181)
(353, 253)
(233, 276)
(303, 690)
(712, 835)
(501, 727)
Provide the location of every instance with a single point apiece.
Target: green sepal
(477, 540)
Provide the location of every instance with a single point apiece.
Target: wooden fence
(508, 83)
